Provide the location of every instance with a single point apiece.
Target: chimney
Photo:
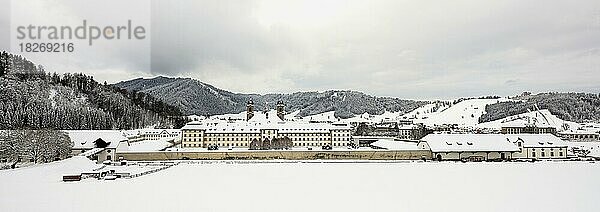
(249, 110)
(280, 112)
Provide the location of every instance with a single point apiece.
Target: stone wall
(287, 155)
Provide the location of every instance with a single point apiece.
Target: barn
(468, 147)
(97, 144)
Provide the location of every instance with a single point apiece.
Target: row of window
(246, 145)
(161, 135)
(543, 154)
(249, 139)
(255, 130)
(341, 139)
(250, 134)
(581, 136)
(242, 129)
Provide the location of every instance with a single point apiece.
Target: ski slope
(464, 114)
(538, 118)
(425, 111)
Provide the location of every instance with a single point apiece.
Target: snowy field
(228, 186)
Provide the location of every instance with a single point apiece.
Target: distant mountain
(575, 107)
(31, 98)
(195, 97)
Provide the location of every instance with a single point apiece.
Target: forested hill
(31, 98)
(195, 97)
(576, 107)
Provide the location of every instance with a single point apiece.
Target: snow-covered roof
(151, 145)
(593, 147)
(91, 152)
(322, 117)
(391, 144)
(84, 139)
(235, 116)
(255, 127)
(525, 123)
(159, 131)
(269, 116)
(258, 116)
(356, 119)
(196, 117)
(537, 140)
(408, 127)
(578, 132)
(469, 143)
(137, 132)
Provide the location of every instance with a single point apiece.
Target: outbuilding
(98, 144)
(539, 146)
(468, 147)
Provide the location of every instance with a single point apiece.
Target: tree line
(31, 98)
(576, 107)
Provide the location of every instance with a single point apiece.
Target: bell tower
(280, 111)
(249, 109)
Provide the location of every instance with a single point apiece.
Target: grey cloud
(5, 24)
(407, 49)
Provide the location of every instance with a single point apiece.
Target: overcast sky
(408, 49)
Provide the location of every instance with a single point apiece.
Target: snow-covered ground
(539, 118)
(150, 145)
(242, 115)
(590, 127)
(391, 144)
(228, 186)
(425, 111)
(234, 116)
(321, 117)
(465, 113)
(593, 147)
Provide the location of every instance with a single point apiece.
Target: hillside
(195, 97)
(30, 98)
(464, 113)
(575, 107)
(538, 118)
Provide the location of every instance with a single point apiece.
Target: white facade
(468, 146)
(240, 134)
(540, 146)
(494, 146)
(84, 141)
(152, 134)
(410, 131)
(579, 135)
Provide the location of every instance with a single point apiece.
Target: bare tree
(38, 146)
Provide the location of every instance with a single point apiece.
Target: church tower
(249, 110)
(280, 112)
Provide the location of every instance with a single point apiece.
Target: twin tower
(250, 110)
